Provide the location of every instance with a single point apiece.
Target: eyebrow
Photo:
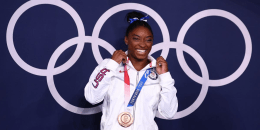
(139, 36)
(136, 35)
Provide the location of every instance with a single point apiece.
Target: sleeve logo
(100, 76)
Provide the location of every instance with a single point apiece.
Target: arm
(168, 104)
(99, 81)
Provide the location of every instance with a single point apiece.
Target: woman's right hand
(119, 56)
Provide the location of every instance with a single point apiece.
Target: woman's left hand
(161, 65)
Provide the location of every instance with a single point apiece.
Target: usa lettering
(100, 76)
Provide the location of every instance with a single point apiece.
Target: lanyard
(126, 84)
(137, 89)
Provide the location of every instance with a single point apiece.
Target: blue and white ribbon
(138, 88)
(131, 20)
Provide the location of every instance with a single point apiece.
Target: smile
(141, 51)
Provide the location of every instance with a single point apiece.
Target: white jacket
(107, 83)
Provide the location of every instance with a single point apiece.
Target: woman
(133, 104)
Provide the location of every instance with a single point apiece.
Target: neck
(138, 64)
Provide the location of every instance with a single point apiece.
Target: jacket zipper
(137, 79)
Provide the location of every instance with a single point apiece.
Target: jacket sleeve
(168, 104)
(99, 81)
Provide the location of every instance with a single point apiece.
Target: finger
(162, 63)
(114, 52)
(117, 52)
(121, 51)
(160, 58)
(159, 61)
(159, 64)
(123, 60)
(123, 54)
(124, 57)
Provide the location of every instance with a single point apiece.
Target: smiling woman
(136, 71)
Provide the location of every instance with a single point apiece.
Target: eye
(149, 40)
(136, 38)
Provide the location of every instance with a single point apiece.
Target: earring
(126, 43)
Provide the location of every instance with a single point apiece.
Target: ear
(126, 40)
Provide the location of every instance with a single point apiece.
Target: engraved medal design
(125, 119)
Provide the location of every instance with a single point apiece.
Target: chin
(141, 57)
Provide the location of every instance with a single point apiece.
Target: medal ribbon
(137, 89)
(127, 84)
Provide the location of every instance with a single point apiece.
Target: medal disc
(125, 119)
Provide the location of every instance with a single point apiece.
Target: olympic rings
(167, 44)
(240, 25)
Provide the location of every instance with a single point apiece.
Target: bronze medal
(125, 119)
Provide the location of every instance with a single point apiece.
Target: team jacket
(157, 95)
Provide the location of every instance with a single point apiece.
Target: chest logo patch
(153, 75)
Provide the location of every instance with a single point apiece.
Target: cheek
(150, 45)
(131, 48)
(132, 45)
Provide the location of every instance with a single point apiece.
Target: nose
(142, 44)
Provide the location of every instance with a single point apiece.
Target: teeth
(142, 51)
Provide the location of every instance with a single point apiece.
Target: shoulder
(104, 62)
(109, 64)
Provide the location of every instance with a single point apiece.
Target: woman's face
(139, 41)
